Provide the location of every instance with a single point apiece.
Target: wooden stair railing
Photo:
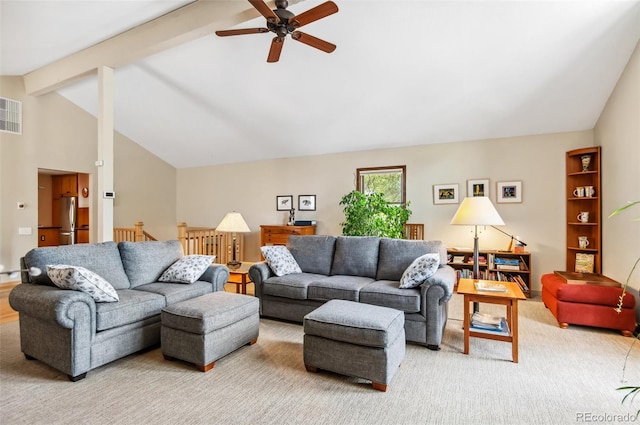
(206, 241)
(414, 231)
(135, 234)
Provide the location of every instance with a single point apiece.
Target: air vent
(10, 116)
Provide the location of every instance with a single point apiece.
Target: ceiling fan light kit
(282, 22)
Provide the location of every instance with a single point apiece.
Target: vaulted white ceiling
(404, 73)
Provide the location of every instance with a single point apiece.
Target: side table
(240, 277)
(509, 299)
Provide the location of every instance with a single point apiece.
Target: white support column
(105, 153)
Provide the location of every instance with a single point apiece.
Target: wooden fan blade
(265, 11)
(276, 48)
(226, 33)
(313, 14)
(312, 41)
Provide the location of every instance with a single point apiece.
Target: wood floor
(7, 314)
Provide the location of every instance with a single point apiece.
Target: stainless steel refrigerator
(68, 217)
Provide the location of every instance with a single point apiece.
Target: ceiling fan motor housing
(283, 27)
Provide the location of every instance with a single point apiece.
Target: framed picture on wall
(445, 193)
(284, 202)
(307, 202)
(509, 192)
(478, 187)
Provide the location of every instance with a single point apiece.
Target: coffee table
(240, 277)
(509, 299)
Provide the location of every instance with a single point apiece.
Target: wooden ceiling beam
(182, 25)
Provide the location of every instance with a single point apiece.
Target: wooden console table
(278, 235)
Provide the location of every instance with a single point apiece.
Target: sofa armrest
(444, 277)
(63, 306)
(218, 275)
(259, 272)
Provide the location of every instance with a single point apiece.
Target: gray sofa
(362, 269)
(70, 332)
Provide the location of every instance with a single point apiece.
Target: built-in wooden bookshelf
(583, 175)
(494, 265)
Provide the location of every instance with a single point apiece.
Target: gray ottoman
(203, 329)
(355, 339)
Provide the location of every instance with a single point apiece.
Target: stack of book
(481, 259)
(507, 263)
(481, 322)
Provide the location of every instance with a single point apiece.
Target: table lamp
(233, 223)
(477, 211)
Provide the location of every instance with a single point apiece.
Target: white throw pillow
(187, 269)
(420, 270)
(280, 260)
(81, 279)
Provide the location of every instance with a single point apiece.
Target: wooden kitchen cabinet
(48, 236)
(65, 185)
(82, 236)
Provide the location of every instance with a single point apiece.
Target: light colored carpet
(563, 377)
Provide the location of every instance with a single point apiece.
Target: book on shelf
(507, 267)
(584, 262)
(523, 264)
(481, 259)
(458, 259)
(490, 286)
(507, 261)
(520, 281)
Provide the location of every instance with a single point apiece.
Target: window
(390, 181)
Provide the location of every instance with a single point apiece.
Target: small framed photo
(445, 193)
(509, 192)
(478, 187)
(284, 202)
(307, 202)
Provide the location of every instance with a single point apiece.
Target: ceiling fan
(282, 22)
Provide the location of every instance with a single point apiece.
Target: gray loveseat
(361, 269)
(70, 332)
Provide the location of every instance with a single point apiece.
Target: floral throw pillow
(280, 260)
(80, 279)
(187, 269)
(420, 270)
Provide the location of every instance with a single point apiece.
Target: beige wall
(206, 194)
(60, 136)
(145, 189)
(618, 132)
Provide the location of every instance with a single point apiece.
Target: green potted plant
(632, 391)
(371, 215)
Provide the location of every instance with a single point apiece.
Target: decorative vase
(586, 162)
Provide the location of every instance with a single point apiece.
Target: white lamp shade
(477, 210)
(233, 223)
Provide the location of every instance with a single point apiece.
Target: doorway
(59, 189)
